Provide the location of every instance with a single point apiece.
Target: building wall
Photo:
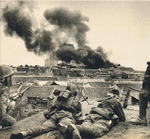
(51, 61)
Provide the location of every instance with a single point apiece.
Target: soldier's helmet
(148, 62)
(72, 88)
(114, 89)
(5, 71)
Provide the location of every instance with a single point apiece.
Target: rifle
(20, 94)
(20, 85)
(131, 88)
(125, 104)
(84, 98)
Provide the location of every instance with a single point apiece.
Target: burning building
(61, 35)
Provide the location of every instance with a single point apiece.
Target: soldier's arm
(117, 108)
(78, 113)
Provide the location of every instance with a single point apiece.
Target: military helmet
(72, 88)
(5, 71)
(148, 62)
(115, 90)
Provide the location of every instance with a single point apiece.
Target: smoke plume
(66, 52)
(93, 58)
(71, 23)
(18, 21)
(62, 33)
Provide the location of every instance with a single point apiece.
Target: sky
(121, 28)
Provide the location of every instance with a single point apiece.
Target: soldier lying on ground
(65, 110)
(101, 118)
(6, 102)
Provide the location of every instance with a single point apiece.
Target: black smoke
(66, 40)
(18, 21)
(66, 53)
(73, 24)
(90, 58)
(93, 58)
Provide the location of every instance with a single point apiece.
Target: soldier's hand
(12, 105)
(115, 119)
(144, 92)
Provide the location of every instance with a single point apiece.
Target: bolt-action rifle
(125, 104)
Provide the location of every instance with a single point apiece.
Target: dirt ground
(124, 130)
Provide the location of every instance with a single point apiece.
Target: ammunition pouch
(63, 96)
(103, 112)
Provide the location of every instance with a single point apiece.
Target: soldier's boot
(30, 132)
(75, 132)
(141, 120)
(20, 135)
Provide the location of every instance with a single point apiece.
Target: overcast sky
(122, 29)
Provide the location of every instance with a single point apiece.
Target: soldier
(144, 97)
(5, 103)
(65, 110)
(101, 118)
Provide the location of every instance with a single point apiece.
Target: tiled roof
(45, 91)
(99, 84)
(96, 92)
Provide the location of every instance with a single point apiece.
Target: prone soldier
(65, 110)
(100, 119)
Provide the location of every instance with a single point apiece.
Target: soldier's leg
(86, 129)
(68, 128)
(47, 126)
(98, 129)
(102, 127)
(143, 102)
(29, 132)
(5, 119)
(75, 134)
(63, 124)
(2, 112)
(8, 120)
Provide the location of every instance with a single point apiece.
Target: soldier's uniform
(5, 106)
(144, 97)
(5, 102)
(101, 119)
(65, 110)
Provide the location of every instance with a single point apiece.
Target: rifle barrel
(133, 89)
